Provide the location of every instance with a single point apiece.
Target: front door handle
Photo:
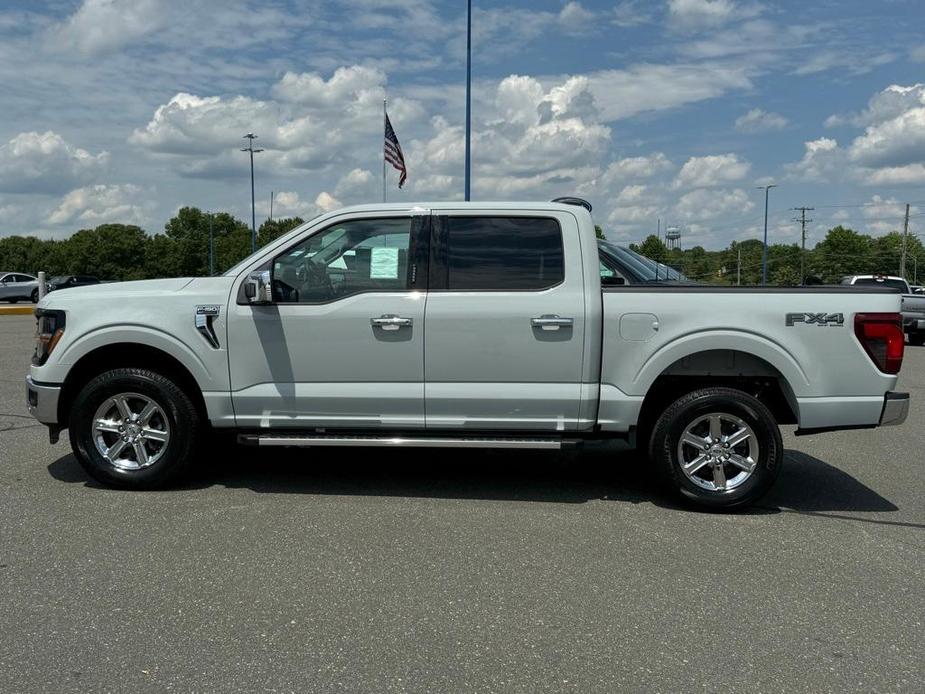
(551, 322)
(390, 322)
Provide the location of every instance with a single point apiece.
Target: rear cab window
(874, 282)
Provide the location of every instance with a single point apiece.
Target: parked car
(318, 339)
(69, 281)
(620, 265)
(913, 304)
(18, 286)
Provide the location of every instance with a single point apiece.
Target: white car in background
(18, 286)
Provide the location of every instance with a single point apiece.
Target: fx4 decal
(821, 319)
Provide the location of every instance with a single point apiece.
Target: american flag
(393, 153)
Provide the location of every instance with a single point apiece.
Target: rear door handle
(390, 322)
(551, 322)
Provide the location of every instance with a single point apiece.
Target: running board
(310, 440)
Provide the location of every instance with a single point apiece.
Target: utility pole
(802, 220)
(764, 252)
(271, 205)
(739, 269)
(902, 260)
(250, 148)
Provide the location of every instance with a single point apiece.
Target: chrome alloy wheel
(718, 451)
(130, 431)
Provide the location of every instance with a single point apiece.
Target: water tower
(673, 238)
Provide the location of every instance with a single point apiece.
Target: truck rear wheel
(917, 339)
(133, 429)
(719, 448)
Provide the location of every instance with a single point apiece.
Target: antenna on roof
(574, 201)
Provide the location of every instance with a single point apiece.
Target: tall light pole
(764, 252)
(250, 137)
(468, 94)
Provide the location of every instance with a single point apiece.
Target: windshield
(59, 280)
(647, 270)
(873, 281)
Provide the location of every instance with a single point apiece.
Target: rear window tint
(504, 253)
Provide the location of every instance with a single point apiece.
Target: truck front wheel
(133, 429)
(717, 447)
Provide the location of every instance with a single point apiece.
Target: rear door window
(503, 253)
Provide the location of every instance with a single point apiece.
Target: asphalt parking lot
(443, 572)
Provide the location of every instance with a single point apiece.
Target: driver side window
(361, 255)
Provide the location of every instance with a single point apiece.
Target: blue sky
(126, 110)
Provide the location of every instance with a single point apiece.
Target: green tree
(189, 230)
(842, 252)
(272, 229)
(110, 252)
(653, 248)
(785, 276)
(599, 231)
(162, 257)
(28, 254)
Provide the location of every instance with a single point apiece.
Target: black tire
(35, 296)
(177, 409)
(14, 301)
(917, 339)
(687, 410)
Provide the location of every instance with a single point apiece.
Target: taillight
(881, 336)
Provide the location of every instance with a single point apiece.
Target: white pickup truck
(462, 325)
(912, 307)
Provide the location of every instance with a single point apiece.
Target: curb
(16, 310)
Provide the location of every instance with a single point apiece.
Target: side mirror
(258, 288)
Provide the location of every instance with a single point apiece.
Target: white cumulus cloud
(98, 204)
(711, 170)
(103, 25)
(35, 162)
(758, 120)
(890, 151)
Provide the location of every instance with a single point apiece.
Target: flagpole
(468, 92)
(384, 116)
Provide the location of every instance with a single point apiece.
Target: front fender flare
(150, 337)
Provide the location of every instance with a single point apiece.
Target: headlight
(48, 331)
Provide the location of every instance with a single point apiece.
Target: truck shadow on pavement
(806, 484)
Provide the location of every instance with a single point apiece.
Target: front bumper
(42, 400)
(895, 409)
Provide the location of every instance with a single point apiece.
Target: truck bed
(804, 337)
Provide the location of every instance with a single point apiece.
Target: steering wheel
(317, 280)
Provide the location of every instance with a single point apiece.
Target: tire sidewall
(168, 397)
(731, 402)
